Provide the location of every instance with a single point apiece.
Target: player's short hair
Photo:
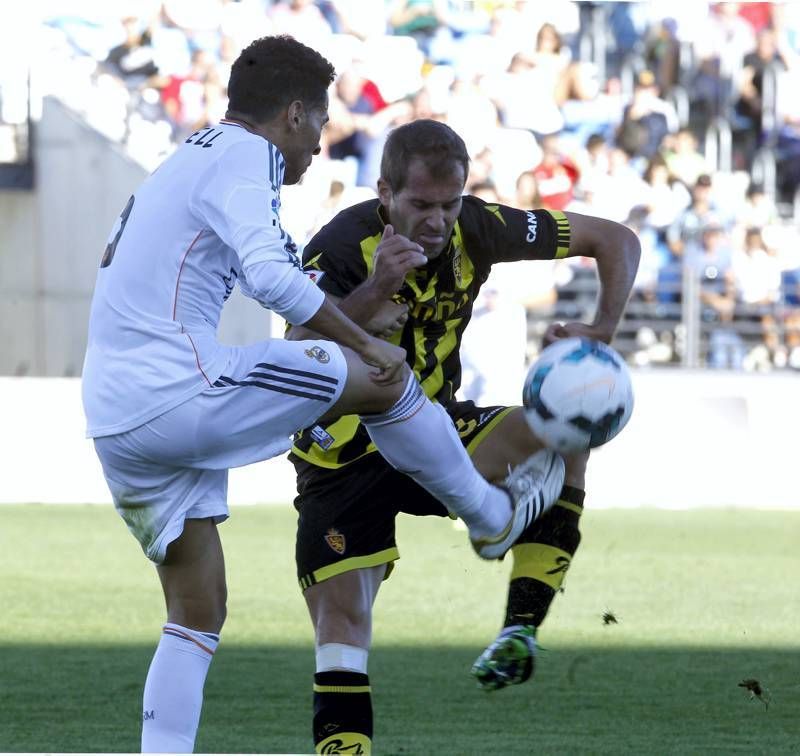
(435, 142)
(272, 72)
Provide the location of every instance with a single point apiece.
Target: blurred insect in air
(609, 618)
(756, 691)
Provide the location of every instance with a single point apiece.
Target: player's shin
(342, 700)
(542, 556)
(173, 692)
(418, 438)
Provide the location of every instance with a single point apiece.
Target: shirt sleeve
(238, 202)
(507, 234)
(333, 258)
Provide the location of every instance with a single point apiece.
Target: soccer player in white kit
(171, 409)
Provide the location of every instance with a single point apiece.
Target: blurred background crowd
(679, 119)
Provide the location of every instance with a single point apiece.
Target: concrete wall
(695, 439)
(51, 241)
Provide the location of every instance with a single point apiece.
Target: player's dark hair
(272, 72)
(432, 141)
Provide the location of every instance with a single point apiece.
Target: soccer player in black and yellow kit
(348, 495)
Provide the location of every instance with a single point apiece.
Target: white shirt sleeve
(235, 199)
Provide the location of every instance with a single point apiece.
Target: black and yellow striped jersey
(439, 295)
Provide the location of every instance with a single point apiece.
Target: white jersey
(207, 219)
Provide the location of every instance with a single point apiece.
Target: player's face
(426, 208)
(303, 141)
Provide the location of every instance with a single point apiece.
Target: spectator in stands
(528, 196)
(666, 197)
(756, 64)
(614, 195)
(132, 59)
(684, 159)
(301, 19)
(758, 210)
(195, 99)
(790, 295)
(709, 257)
(654, 254)
(701, 213)
(765, 60)
(357, 133)
(423, 20)
(662, 53)
(593, 161)
(557, 174)
(647, 120)
(525, 97)
(757, 277)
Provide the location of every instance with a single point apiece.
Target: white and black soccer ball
(577, 395)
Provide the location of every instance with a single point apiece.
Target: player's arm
(369, 304)
(616, 251)
(508, 234)
(231, 201)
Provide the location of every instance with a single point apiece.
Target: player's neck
(267, 130)
(233, 117)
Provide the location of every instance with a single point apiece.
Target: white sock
(173, 692)
(418, 438)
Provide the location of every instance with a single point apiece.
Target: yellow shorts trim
(544, 563)
(387, 557)
(488, 428)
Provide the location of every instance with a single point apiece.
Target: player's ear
(384, 192)
(295, 114)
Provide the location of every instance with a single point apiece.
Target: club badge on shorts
(318, 354)
(335, 540)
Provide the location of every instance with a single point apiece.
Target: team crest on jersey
(335, 540)
(318, 354)
(315, 275)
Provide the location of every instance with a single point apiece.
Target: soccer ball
(577, 395)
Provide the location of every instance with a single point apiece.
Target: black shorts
(346, 516)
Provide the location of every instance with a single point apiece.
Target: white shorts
(175, 467)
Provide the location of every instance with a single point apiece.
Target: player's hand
(387, 358)
(391, 317)
(556, 331)
(394, 257)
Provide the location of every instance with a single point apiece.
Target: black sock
(342, 712)
(542, 556)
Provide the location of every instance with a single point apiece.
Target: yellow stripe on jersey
(562, 233)
(544, 563)
(368, 247)
(446, 344)
(312, 263)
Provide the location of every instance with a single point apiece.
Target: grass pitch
(703, 599)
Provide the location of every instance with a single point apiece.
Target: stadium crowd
(677, 119)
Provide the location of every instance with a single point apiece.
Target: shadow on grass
(258, 699)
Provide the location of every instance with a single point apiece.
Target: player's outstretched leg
(419, 439)
(542, 556)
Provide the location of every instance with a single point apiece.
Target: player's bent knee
(361, 395)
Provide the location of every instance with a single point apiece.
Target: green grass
(703, 600)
